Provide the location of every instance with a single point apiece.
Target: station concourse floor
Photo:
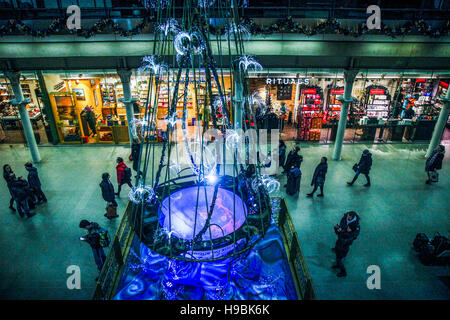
(35, 253)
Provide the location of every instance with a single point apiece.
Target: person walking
(97, 238)
(123, 175)
(9, 177)
(364, 165)
(347, 231)
(35, 183)
(135, 152)
(108, 195)
(21, 194)
(434, 162)
(318, 179)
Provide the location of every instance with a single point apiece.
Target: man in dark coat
(135, 152)
(107, 189)
(35, 183)
(364, 165)
(318, 179)
(293, 159)
(21, 192)
(434, 161)
(347, 231)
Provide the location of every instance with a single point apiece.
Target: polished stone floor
(35, 253)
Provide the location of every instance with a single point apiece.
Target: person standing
(97, 238)
(347, 231)
(434, 162)
(293, 159)
(21, 195)
(293, 181)
(318, 179)
(35, 183)
(123, 175)
(9, 176)
(364, 165)
(281, 153)
(135, 153)
(108, 195)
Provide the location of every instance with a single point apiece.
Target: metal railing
(297, 263)
(111, 273)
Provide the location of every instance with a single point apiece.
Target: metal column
(346, 99)
(127, 100)
(440, 124)
(21, 103)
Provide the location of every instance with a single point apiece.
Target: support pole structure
(127, 100)
(440, 124)
(346, 99)
(21, 103)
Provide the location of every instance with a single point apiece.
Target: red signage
(309, 91)
(337, 91)
(376, 91)
(420, 80)
(443, 84)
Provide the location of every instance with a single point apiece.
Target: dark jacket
(20, 189)
(293, 181)
(319, 174)
(135, 150)
(33, 178)
(434, 162)
(293, 159)
(345, 238)
(9, 178)
(365, 163)
(107, 190)
(282, 155)
(93, 237)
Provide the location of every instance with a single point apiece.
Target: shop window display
(10, 123)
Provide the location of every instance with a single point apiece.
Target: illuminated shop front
(388, 107)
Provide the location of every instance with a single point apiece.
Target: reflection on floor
(35, 253)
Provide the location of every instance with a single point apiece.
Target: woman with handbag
(108, 195)
(364, 165)
(433, 163)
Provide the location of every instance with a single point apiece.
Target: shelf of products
(377, 103)
(333, 104)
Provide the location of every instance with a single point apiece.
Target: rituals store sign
(300, 81)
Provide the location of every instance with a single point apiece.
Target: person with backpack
(9, 177)
(98, 239)
(293, 181)
(347, 231)
(434, 162)
(35, 183)
(123, 175)
(318, 179)
(364, 165)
